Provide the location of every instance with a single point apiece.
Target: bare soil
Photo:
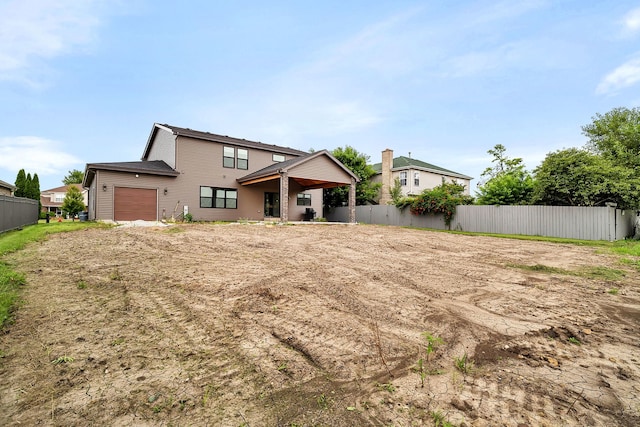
(314, 325)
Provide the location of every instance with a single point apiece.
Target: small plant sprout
(387, 387)
(439, 419)
(422, 366)
(117, 341)
(432, 343)
(613, 291)
(209, 391)
(324, 401)
(82, 284)
(62, 359)
(464, 364)
(421, 370)
(115, 275)
(574, 340)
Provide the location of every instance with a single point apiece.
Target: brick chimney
(387, 180)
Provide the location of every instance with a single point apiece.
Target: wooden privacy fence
(584, 223)
(16, 212)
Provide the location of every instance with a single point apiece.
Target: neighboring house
(6, 189)
(213, 177)
(415, 176)
(51, 200)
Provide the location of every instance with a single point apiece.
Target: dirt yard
(319, 325)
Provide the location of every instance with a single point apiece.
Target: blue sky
(83, 81)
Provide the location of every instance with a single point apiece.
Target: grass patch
(174, 229)
(603, 273)
(540, 268)
(15, 240)
(628, 247)
(10, 283)
(12, 241)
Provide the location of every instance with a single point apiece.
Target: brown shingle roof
(151, 167)
(207, 136)
(154, 167)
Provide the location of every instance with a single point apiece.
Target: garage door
(131, 204)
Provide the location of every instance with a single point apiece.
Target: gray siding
(16, 212)
(164, 148)
(584, 223)
(320, 168)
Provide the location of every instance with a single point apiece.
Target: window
(304, 199)
(206, 197)
(416, 179)
(403, 178)
(59, 198)
(223, 198)
(229, 157)
(243, 158)
(278, 158)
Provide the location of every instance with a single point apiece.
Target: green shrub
(439, 200)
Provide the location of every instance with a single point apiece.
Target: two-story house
(414, 175)
(51, 199)
(213, 177)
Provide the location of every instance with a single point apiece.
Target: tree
(72, 203)
(577, 177)
(21, 184)
(34, 190)
(396, 191)
(73, 177)
(616, 136)
(28, 193)
(507, 182)
(366, 191)
(442, 199)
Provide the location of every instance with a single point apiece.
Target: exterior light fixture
(104, 187)
(165, 191)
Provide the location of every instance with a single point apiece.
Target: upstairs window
(403, 178)
(278, 158)
(229, 157)
(304, 199)
(416, 179)
(243, 158)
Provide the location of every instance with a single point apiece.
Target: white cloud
(631, 22)
(627, 74)
(35, 30)
(35, 155)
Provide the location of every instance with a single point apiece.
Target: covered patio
(318, 170)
